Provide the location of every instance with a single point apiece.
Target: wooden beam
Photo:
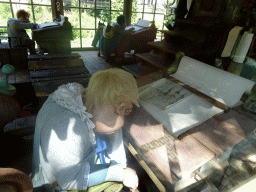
(128, 11)
(146, 168)
(57, 8)
(200, 94)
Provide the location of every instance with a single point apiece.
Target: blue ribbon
(101, 148)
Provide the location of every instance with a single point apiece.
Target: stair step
(155, 60)
(196, 22)
(137, 70)
(190, 34)
(172, 48)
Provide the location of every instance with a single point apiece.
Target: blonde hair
(109, 88)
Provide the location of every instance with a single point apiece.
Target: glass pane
(87, 37)
(88, 20)
(148, 17)
(103, 16)
(87, 4)
(159, 20)
(165, 28)
(135, 18)
(3, 36)
(158, 36)
(137, 5)
(149, 6)
(73, 17)
(6, 9)
(161, 6)
(43, 2)
(117, 5)
(29, 32)
(24, 1)
(43, 14)
(172, 3)
(72, 3)
(75, 43)
(3, 30)
(103, 4)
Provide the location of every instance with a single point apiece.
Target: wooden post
(128, 11)
(57, 8)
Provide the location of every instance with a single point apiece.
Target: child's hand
(131, 179)
(131, 30)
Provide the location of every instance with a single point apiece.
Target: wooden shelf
(171, 48)
(155, 60)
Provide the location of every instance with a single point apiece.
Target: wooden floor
(92, 62)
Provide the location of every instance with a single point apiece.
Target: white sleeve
(66, 146)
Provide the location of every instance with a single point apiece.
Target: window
(84, 15)
(40, 11)
(154, 10)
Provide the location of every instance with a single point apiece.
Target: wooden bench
(48, 72)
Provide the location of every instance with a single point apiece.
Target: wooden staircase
(199, 40)
(160, 58)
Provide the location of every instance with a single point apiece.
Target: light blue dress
(64, 145)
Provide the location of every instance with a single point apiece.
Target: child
(16, 30)
(70, 122)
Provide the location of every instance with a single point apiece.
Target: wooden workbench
(168, 160)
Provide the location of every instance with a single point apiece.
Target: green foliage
(43, 14)
(117, 6)
(6, 9)
(3, 30)
(76, 34)
(102, 15)
(45, 2)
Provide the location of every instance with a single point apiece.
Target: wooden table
(170, 162)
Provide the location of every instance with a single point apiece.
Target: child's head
(23, 15)
(110, 87)
(121, 20)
